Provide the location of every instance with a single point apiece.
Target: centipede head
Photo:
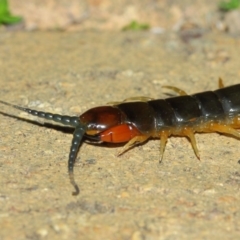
(105, 123)
(99, 119)
(108, 124)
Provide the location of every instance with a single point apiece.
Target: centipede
(135, 120)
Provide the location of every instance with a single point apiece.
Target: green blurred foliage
(135, 26)
(5, 15)
(228, 6)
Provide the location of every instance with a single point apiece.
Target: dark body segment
(163, 113)
(188, 110)
(230, 99)
(209, 104)
(138, 114)
(180, 111)
(185, 108)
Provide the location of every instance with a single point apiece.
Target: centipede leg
(163, 140)
(138, 98)
(177, 90)
(136, 140)
(216, 127)
(220, 83)
(190, 134)
(132, 99)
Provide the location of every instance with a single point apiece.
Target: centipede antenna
(77, 137)
(63, 119)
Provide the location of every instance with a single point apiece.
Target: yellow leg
(138, 98)
(132, 99)
(163, 140)
(185, 132)
(216, 127)
(133, 142)
(177, 90)
(220, 83)
(190, 134)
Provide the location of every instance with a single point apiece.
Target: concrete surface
(128, 197)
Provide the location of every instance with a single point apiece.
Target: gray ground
(128, 197)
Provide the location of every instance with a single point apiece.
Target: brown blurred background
(160, 15)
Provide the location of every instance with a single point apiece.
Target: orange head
(108, 124)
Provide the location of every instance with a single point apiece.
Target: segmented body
(211, 111)
(135, 122)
